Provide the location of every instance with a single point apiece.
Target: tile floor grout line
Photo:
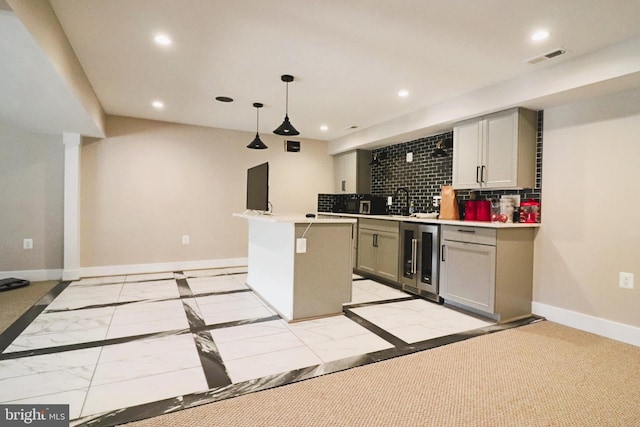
(89, 344)
(95, 366)
(117, 304)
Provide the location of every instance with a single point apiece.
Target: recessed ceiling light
(324, 128)
(540, 35)
(162, 39)
(157, 104)
(224, 99)
(403, 93)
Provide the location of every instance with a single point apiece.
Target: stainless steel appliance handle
(414, 255)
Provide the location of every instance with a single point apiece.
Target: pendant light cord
(286, 103)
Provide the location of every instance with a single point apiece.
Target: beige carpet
(15, 302)
(542, 374)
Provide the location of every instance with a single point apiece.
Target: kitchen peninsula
(300, 266)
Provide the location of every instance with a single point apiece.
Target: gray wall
(31, 201)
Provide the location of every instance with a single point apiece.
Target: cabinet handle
(444, 247)
(478, 174)
(344, 185)
(375, 240)
(482, 173)
(466, 231)
(414, 255)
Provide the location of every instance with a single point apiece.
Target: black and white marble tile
(122, 348)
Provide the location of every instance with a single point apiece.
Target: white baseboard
(33, 275)
(115, 270)
(603, 327)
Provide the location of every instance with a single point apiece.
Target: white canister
(506, 208)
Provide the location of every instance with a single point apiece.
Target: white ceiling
(349, 57)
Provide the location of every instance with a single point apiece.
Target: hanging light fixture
(440, 146)
(286, 128)
(257, 144)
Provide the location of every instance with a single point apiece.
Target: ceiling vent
(546, 56)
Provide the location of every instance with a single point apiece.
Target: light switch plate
(301, 246)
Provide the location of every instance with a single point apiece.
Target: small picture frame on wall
(292, 146)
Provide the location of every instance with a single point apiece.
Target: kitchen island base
(300, 283)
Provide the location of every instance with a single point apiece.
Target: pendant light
(257, 144)
(440, 146)
(286, 128)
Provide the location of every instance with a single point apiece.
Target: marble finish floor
(117, 349)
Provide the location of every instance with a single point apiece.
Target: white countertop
(484, 224)
(292, 218)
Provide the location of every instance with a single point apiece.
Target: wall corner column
(71, 267)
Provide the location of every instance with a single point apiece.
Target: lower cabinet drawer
(477, 235)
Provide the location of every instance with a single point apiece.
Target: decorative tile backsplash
(424, 176)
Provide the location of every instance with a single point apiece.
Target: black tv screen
(258, 188)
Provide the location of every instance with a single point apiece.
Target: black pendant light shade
(286, 128)
(257, 144)
(439, 151)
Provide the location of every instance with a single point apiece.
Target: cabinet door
(345, 172)
(387, 255)
(467, 154)
(467, 274)
(500, 150)
(366, 251)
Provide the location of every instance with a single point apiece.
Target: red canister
(483, 210)
(470, 210)
(530, 211)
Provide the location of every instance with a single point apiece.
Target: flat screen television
(258, 188)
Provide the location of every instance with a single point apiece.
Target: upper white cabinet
(495, 151)
(352, 173)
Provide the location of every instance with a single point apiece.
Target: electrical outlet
(409, 157)
(27, 244)
(626, 280)
(436, 200)
(301, 246)
(186, 239)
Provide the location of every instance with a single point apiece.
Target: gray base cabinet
(378, 242)
(489, 271)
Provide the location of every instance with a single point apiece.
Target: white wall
(590, 213)
(149, 183)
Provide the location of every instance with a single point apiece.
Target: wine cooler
(418, 266)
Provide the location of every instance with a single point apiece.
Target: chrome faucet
(405, 211)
